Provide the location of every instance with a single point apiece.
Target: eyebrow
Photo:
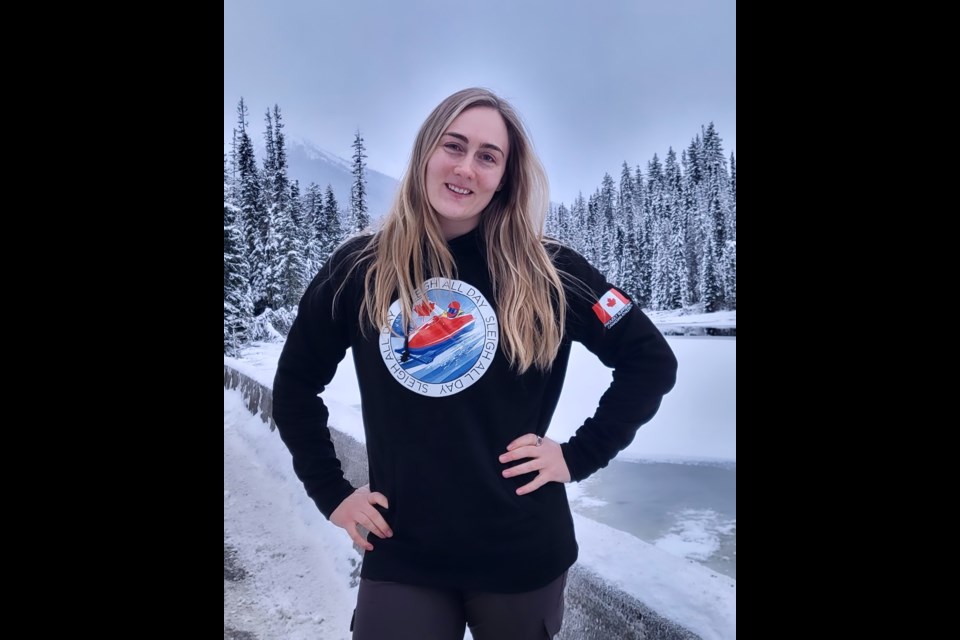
(485, 145)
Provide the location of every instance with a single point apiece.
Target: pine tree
(284, 249)
(253, 213)
(594, 230)
(730, 257)
(626, 199)
(237, 306)
(609, 235)
(232, 177)
(303, 222)
(281, 182)
(269, 164)
(670, 240)
(580, 224)
(674, 223)
(551, 224)
(290, 254)
(312, 221)
(717, 198)
(693, 229)
(695, 166)
(641, 255)
(709, 281)
(733, 178)
(655, 251)
(628, 219)
(358, 194)
(334, 232)
(563, 232)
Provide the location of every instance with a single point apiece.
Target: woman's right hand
(357, 508)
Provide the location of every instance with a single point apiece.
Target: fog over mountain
(309, 163)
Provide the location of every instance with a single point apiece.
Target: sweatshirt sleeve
(609, 324)
(317, 342)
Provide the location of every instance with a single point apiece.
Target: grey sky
(597, 82)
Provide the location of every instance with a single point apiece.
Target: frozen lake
(687, 509)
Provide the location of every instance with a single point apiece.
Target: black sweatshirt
(441, 404)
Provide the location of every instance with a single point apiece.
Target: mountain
(309, 163)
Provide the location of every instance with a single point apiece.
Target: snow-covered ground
(301, 569)
(720, 319)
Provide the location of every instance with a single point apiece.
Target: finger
(378, 520)
(367, 521)
(520, 454)
(526, 467)
(537, 482)
(526, 439)
(380, 499)
(358, 539)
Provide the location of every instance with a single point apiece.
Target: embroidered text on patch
(611, 307)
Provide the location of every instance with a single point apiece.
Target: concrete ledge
(595, 610)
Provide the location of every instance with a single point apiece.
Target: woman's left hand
(547, 458)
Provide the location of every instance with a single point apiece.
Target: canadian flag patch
(611, 307)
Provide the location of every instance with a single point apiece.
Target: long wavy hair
(410, 247)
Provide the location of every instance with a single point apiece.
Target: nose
(464, 168)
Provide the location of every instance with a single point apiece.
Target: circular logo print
(449, 344)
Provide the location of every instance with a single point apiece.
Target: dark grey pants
(394, 611)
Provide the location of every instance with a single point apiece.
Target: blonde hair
(410, 246)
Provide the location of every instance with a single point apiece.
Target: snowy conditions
(290, 574)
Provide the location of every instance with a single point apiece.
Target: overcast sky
(597, 82)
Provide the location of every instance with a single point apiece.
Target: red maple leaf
(611, 302)
(424, 308)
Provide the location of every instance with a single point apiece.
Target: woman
(466, 502)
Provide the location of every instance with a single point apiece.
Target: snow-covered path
(267, 540)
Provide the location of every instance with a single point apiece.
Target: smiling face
(464, 172)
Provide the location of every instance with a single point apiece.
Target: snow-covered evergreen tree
(627, 253)
(641, 256)
(237, 306)
(581, 222)
(733, 178)
(730, 256)
(674, 221)
(290, 268)
(657, 237)
(551, 225)
(672, 239)
(563, 231)
(303, 221)
(334, 231)
(668, 241)
(718, 201)
(312, 208)
(610, 235)
(358, 193)
(277, 189)
(269, 164)
(285, 246)
(253, 213)
(710, 288)
(593, 242)
(693, 227)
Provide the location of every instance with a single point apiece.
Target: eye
(488, 157)
(452, 146)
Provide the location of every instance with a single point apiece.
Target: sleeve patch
(611, 307)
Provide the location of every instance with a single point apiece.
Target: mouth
(458, 190)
